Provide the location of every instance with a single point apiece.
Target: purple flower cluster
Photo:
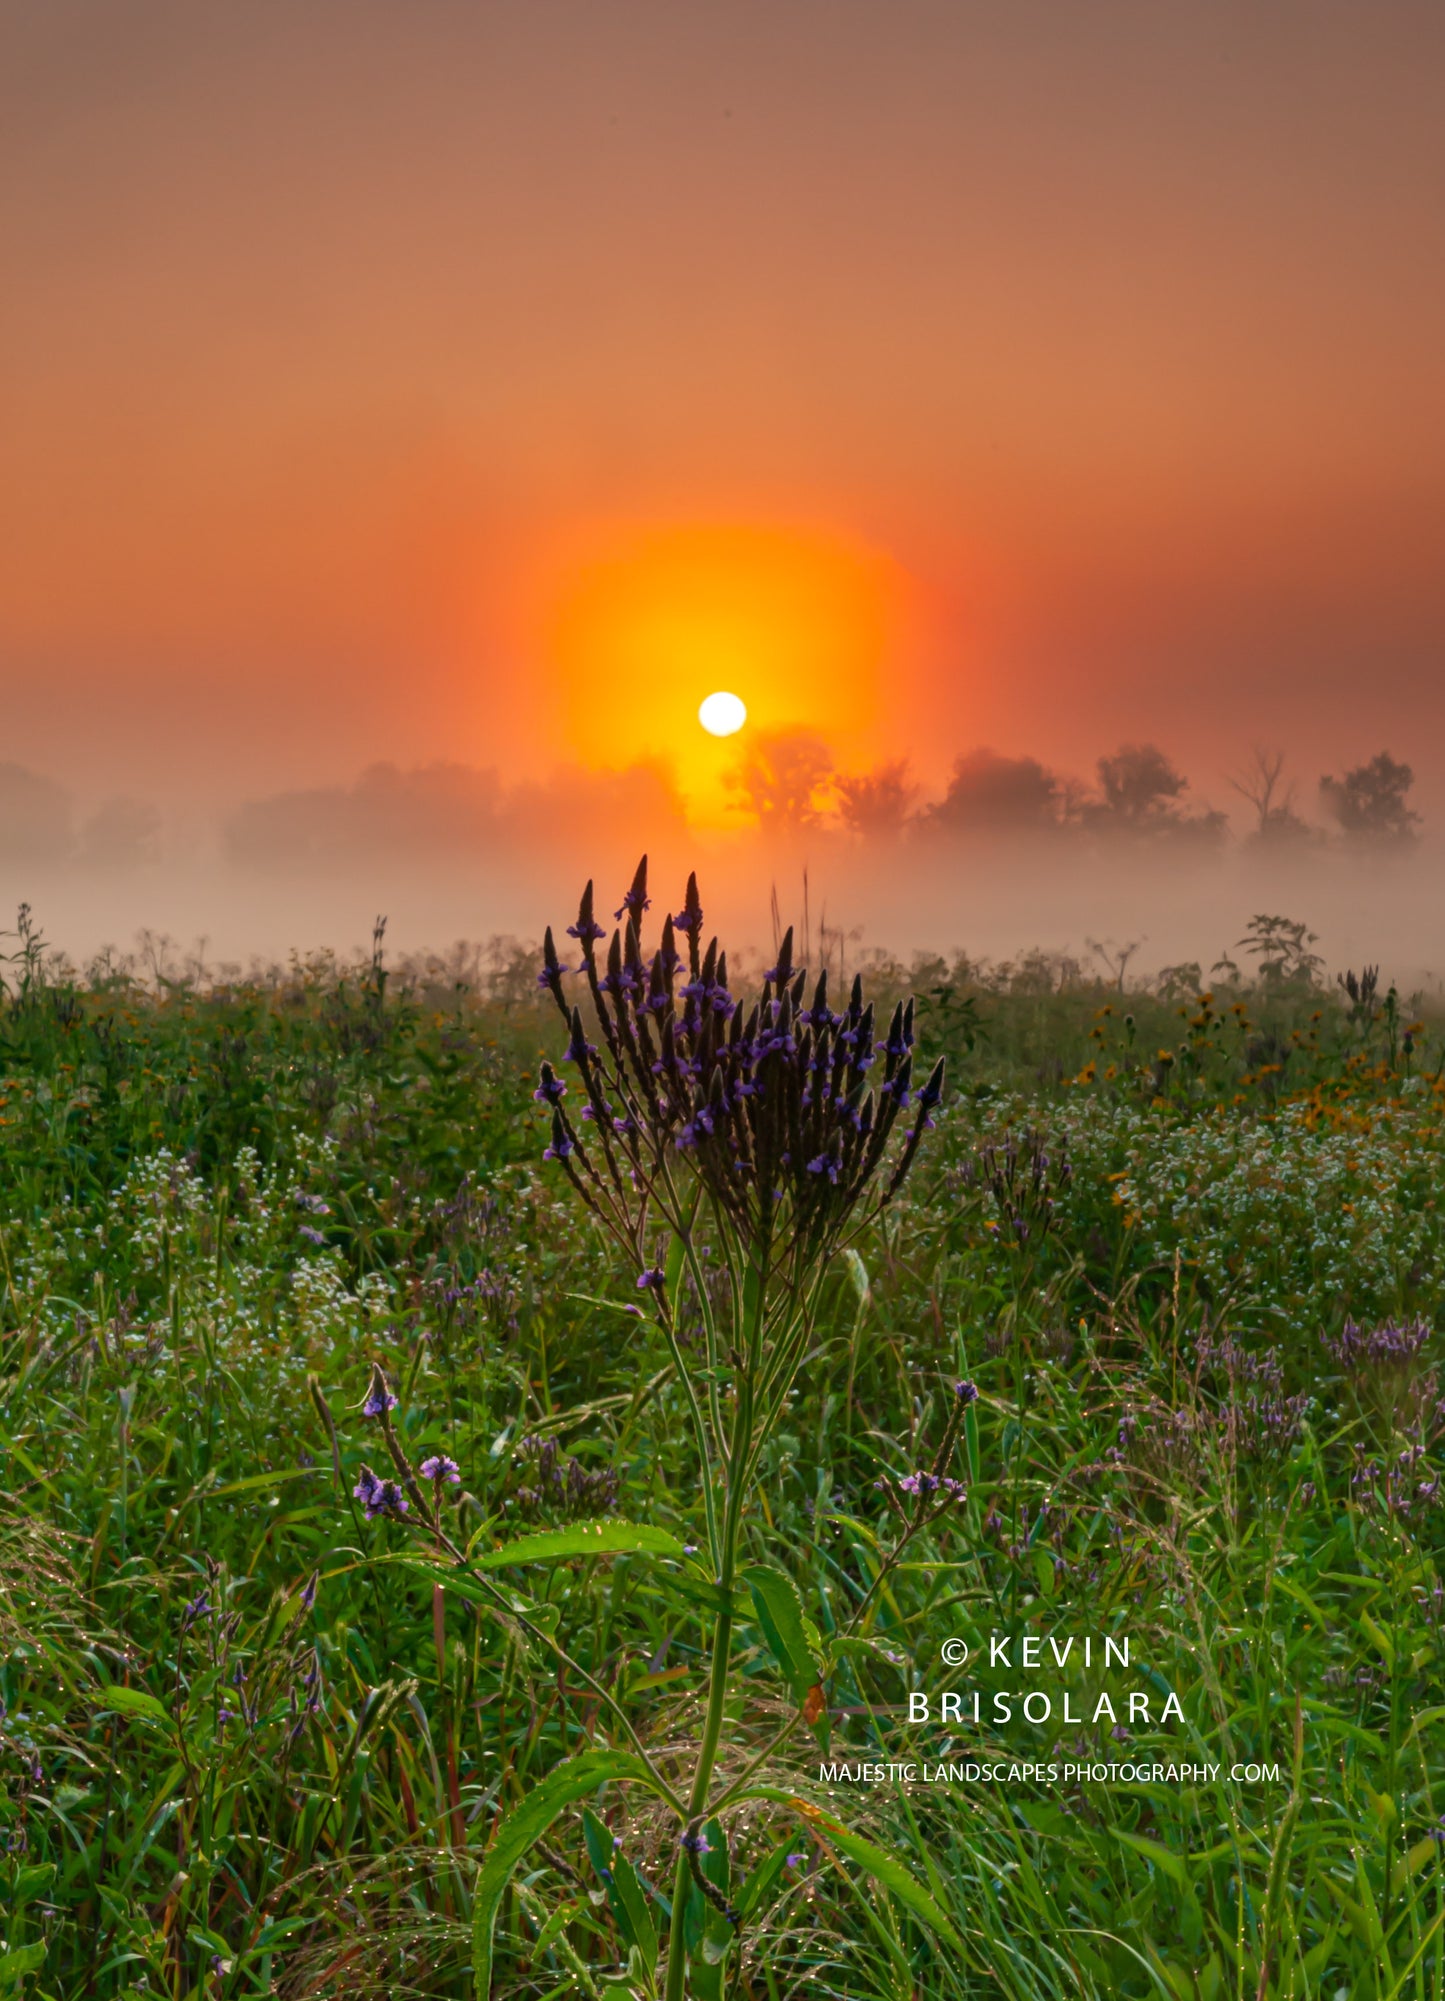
(770, 1101)
(379, 1497)
(1363, 1350)
(1402, 1484)
(491, 1296)
(925, 1486)
(439, 1468)
(1253, 1421)
(1222, 1355)
(1025, 1180)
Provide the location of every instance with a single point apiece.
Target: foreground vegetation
(1186, 1246)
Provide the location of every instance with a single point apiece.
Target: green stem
(722, 1640)
(739, 1458)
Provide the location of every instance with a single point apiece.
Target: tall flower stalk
(767, 1132)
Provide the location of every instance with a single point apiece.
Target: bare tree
(1115, 958)
(1275, 817)
(1257, 784)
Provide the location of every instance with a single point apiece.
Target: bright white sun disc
(722, 714)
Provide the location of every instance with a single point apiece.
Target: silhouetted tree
(436, 809)
(1369, 802)
(876, 802)
(439, 811)
(781, 777)
(121, 833)
(1139, 785)
(1276, 821)
(1140, 791)
(34, 817)
(1008, 794)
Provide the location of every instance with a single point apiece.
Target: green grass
(217, 1209)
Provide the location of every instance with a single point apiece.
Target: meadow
(1145, 1346)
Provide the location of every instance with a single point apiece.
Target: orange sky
(368, 379)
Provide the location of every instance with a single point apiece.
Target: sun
(722, 714)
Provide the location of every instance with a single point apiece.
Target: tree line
(786, 780)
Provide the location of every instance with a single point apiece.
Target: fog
(1122, 870)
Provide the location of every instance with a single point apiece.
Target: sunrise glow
(654, 630)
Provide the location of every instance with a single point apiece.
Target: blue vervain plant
(759, 1137)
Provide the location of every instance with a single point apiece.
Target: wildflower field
(639, 1483)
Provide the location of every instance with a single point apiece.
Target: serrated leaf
(581, 1539)
(780, 1614)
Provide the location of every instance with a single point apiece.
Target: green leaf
(793, 1643)
(1154, 1851)
(256, 1480)
(600, 1848)
(882, 1867)
(762, 1879)
(521, 1829)
(135, 1702)
(625, 1893)
(23, 1959)
(631, 1902)
(676, 1259)
(31, 1881)
(581, 1539)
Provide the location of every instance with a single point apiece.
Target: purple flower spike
(440, 1468)
(652, 1280)
(380, 1396)
(764, 1097)
(550, 1088)
(637, 899)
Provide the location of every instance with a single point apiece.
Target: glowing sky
(381, 381)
